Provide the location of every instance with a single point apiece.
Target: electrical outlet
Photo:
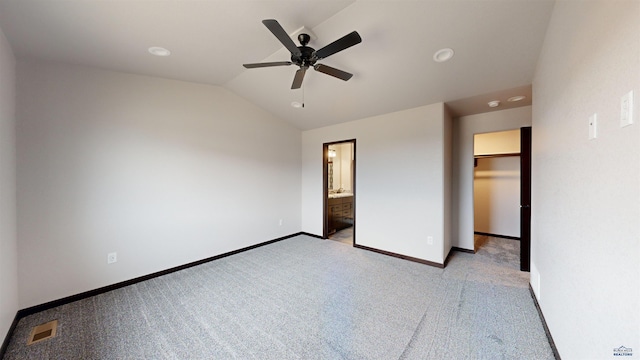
(430, 240)
(112, 257)
(593, 126)
(280, 222)
(626, 109)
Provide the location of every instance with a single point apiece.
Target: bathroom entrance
(339, 191)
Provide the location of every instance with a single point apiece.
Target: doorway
(339, 193)
(502, 193)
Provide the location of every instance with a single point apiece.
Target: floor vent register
(43, 332)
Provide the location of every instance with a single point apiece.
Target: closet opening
(500, 189)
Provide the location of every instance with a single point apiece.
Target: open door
(525, 198)
(338, 179)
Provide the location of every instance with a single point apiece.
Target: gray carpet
(305, 298)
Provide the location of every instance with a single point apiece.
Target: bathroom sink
(339, 195)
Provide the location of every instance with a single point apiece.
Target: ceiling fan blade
(344, 42)
(282, 35)
(297, 80)
(343, 75)
(267, 64)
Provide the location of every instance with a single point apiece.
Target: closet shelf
(495, 155)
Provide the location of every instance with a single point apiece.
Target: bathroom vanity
(340, 211)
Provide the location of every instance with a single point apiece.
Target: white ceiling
(496, 45)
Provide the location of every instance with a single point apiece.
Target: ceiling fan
(306, 57)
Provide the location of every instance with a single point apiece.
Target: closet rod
(495, 155)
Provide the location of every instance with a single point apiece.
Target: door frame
(525, 198)
(325, 187)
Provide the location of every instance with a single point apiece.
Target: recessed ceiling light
(443, 55)
(159, 51)
(296, 105)
(494, 103)
(516, 98)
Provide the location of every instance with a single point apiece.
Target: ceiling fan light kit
(305, 57)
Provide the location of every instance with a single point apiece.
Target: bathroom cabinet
(340, 213)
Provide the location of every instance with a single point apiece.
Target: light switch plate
(593, 126)
(626, 109)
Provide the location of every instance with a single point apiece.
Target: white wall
(399, 180)
(447, 181)
(496, 196)
(586, 193)
(463, 130)
(162, 172)
(8, 241)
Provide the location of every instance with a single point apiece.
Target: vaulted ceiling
(496, 44)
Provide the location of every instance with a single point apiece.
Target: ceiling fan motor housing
(307, 54)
